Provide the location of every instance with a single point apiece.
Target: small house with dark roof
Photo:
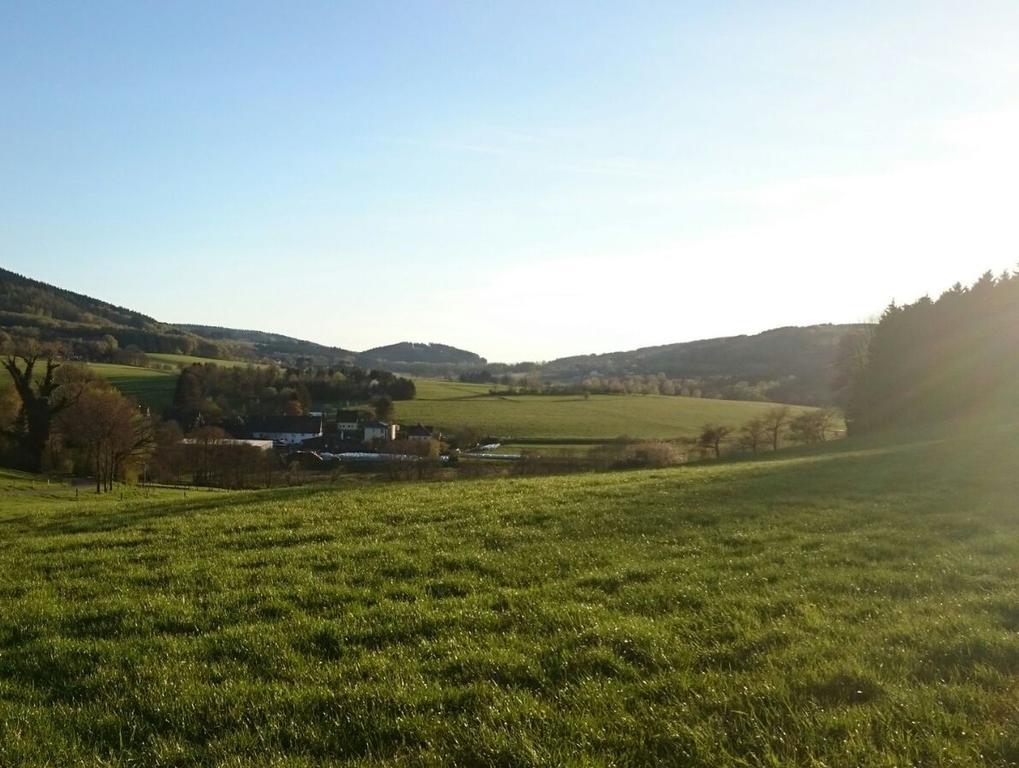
(420, 432)
(285, 430)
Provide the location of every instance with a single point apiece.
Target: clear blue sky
(525, 180)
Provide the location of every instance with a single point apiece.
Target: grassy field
(855, 606)
(451, 404)
(150, 386)
(147, 385)
(192, 360)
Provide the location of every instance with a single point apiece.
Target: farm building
(286, 430)
(379, 430)
(262, 445)
(420, 432)
(349, 424)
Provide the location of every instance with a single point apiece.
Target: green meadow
(185, 360)
(451, 405)
(151, 386)
(857, 605)
(147, 385)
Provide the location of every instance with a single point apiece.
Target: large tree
(752, 435)
(41, 401)
(110, 429)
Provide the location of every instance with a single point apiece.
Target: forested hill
(271, 345)
(798, 361)
(23, 296)
(411, 352)
(30, 309)
(92, 329)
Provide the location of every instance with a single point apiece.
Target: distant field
(151, 387)
(192, 360)
(451, 404)
(855, 606)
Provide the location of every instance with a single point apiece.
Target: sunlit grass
(451, 405)
(193, 360)
(147, 385)
(856, 606)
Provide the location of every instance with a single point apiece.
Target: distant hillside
(791, 364)
(413, 353)
(30, 309)
(273, 346)
(799, 360)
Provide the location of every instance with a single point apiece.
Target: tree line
(770, 431)
(61, 416)
(934, 359)
(715, 387)
(219, 394)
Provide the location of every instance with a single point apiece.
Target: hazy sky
(526, 180)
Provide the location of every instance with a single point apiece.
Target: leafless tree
(111, 430)
(776, 422)
(812, 426)
(752, 435)
(712, 436)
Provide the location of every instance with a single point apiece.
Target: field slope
(148, 386)
(450, 405)
(857, 606)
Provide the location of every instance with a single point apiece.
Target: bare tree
(204, 442)
(110, 429)
(752, 435)
(776, 422)
(712, 436)
(812, 426)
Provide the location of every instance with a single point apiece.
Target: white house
(286, 430)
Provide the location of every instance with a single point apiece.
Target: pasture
(450, 405)
(850, 606)
(148, 386)
(185, 360)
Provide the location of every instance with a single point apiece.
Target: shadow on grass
(128, 513)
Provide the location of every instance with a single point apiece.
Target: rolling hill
(408, 352)
(32, 309)
(273, 346)
(452, 405)
(798, 359)
(795, 363)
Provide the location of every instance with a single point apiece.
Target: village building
(262, 445)
(285, 430)
(420, 432)
(349, 425)
(379, 430)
